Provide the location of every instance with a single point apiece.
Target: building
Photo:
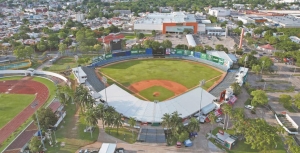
(229, 60)
(287, 1)
(191, 41)
(284, 21)
(295, 39)
(215, 31)
(79, 74)
(167, 22)
(247, 20)
(79, 17)
(219, 12)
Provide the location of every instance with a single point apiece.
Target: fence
(148, 53)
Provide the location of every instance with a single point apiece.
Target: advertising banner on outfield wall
(221, 61)
(188, 53)
(108, 56)
(215, 59)
(142, 51)
(179, 51)
(209, 57)
(203, 56)
(168, 51)
(173, 51)
(134, 52)
(149, 51)
(197, 54)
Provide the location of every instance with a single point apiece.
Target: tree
(118, 122)
(213, 19)
(155, 45)
(183, 136)
(181, 46)
(166, 123)
(258, 31)
(227, 109)
(273, 40)
(212, 118)
(34, 144)
(62, 48)
(293, 147)
(207, 47)
(90, 119)
(131, 122)
(46, 118)
(251, 60)
(153, 32)
(167, 44)
(193, 125)
(260, 135)
(140, 36)
(256, 68)
(266, 63)
(97, 47)
(286, 100)
(296, 100)
(240, 23)
(259, 98)
(199, 49)
(239, 119)
(237, 89)
(28, 51)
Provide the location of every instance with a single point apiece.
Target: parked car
(86, 151)
(120, 150)
(81, 151)
(249, 107)
(219, 119)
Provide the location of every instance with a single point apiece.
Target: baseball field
(161, 79)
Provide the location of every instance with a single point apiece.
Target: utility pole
(201, 83)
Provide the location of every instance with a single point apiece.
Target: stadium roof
(145, 111)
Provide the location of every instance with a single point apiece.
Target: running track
(24, 86)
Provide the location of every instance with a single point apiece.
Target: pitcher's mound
(156, 94)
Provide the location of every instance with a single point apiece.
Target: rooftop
(285, 20)
(159, 18)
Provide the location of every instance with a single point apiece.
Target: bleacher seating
(92, 79)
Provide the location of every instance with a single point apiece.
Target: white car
(249, 107)
(219, 119)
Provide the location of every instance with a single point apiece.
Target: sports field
(175, 75)
(11, 105)
(162, 95)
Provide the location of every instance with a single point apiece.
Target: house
(267, 47)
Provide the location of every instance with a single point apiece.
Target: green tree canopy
(237, 89)
(46, 118)
(35, 144)
(167, 44)
(259, 98)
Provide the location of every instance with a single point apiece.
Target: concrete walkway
(200, 145)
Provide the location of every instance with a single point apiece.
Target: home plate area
(152, 135)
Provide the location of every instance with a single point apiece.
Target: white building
(295, 39)
(219, 12)
(79, 17)
(215, 31)
(229, 60)
(286, 1)
(167, 22)
(284, 21)
(79, 74)
(191, 41)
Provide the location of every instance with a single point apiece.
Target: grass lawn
(50, 85)
(71, 133)
(124, 134)
(163, 93)
(63, 64)
(12, 78)
(186, 73)
(241, 147)
(11, 105)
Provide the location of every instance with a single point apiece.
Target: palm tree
(131, 122)
(193, 125)
(166, 123)
(212, 117)
(227, 110)
(82, 97)
(100, 113)
(117, 122)
(176, 123)
(91, 119)
(70, 93)
(239, 118)
(109, 116)
(60, 94)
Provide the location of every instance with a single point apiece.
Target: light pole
(201, 83)
(104, 80)
(35, 103)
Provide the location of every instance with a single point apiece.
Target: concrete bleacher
(228, 80)
(92, 79)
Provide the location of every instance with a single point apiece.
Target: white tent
(145, 111)
(191, 41)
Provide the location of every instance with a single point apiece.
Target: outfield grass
(11, 105)
(164, 93)
(12, 78)
(241, 147)
(71, 133)
(124, 134)
(186, 73)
